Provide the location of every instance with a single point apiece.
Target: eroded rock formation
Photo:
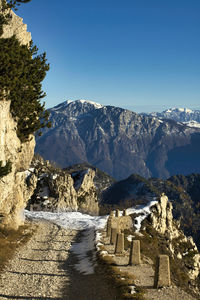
(180, 246)
(58, 190)
(14, 190)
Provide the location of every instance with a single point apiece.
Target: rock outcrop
(14, 190)
(16, 27)
(162, 218)
(179, 246)
(58, 190)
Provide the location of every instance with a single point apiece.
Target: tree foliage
(22, 71)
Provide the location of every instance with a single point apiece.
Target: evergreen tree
(21, 72)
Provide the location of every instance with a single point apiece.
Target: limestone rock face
(13, 187)
(15, 190)
(162, 218)
(58, 190)
(16, 27)
(86, 193)
(62, 187)
(179, 245)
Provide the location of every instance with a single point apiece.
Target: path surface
(44, 269)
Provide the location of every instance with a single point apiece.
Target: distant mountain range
(183, 115)
(121, 142)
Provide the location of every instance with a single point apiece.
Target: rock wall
(16, 27)
(14, 190)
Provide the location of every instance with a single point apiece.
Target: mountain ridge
(118, 141)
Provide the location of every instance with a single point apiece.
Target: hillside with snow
(186, 116)
(118, 141)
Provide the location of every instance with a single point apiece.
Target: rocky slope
(60, 190)
(183, 192)
(118, 141)
(158, 234)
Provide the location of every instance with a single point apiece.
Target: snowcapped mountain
(118, 141)
(183, 115)
(76, 108)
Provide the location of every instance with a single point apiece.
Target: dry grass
(10, 240)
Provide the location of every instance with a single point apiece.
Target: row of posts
(162, 270)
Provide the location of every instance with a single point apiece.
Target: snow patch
(192, 124)
(29, 172)
(86, 263)
(130, 238)
(95, 104)
(69, 220)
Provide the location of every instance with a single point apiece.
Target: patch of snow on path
(86, 264)
(69, 220)
(77, 221)
(91, 237)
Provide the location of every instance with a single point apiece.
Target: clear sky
(138, 54)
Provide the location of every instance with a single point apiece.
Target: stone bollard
(162, 272)
(117, 213)
(109, 228)
(135, 253)
(113, 237)
(112, 214)
(125, 213)
(119, 248)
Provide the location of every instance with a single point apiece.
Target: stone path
(36, 270)
(44, 269)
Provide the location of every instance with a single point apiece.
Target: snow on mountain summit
(179, 115)
(76, 103)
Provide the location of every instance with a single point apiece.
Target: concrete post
(162, 272)
(125, 213)
(113, 236)
(117, 213)
(109, 228)
(135, 253)
(119, 248)
(112, 214)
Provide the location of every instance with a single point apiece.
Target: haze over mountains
(121, 142)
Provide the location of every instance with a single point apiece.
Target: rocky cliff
(178, 245)
(14, 189)
(60, 190)
(16, 27)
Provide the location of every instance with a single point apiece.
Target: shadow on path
(86, 287)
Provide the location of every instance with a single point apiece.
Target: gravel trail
(35, 272)
(44, 268)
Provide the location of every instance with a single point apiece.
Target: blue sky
(138, 54)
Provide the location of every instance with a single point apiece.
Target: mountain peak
(74, 103)
(179, 110)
